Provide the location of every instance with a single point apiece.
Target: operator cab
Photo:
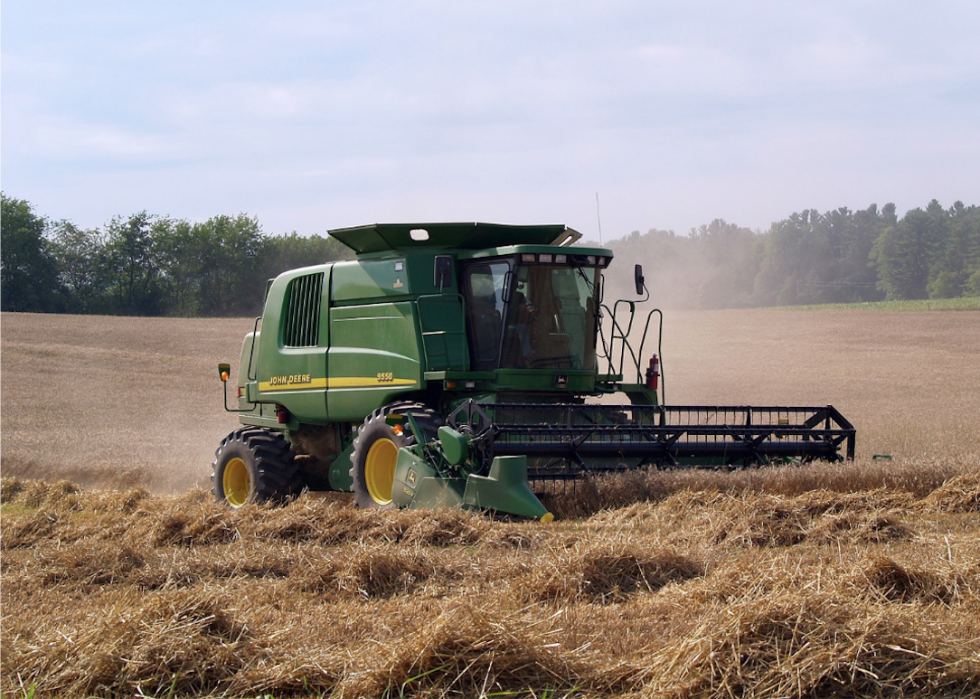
(533, 310)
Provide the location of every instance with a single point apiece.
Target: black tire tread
(277, 472)
(426, 418)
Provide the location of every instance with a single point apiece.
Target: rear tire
(254, 465)
(375, 453)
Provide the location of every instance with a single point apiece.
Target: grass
(971, 303)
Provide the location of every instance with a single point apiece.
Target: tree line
(147, 265)
(152, 265)
(839, 256)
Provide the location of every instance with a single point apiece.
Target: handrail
(621, 334)
(251, 352)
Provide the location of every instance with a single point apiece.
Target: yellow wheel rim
(379, 470)
(236, 482)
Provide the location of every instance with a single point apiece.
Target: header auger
(450, 364)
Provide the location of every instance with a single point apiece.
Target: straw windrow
(702, 593)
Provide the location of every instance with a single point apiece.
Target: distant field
(137, 401)
(114, 401)
(842, 580)
(909, 382)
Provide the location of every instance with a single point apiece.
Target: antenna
(598, 217)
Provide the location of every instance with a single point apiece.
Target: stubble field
(121, 578)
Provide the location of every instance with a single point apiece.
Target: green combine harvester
(451, 364)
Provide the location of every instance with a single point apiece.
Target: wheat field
(121, 578)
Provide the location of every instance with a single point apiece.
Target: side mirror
(443, 271)
(638, 279)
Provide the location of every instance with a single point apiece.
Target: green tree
(970, 223)
(905, 253)
(820, 258)
(132, 266)
(959, 258)
(232, 251)
(180, 250)
(28, 272)
(973, 284)
(851, 236)
(291, 251)
(80, 255)
(791, 249)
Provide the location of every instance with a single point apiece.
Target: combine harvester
(450, 365)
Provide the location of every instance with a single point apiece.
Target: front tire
(254, 465)
(375, 453)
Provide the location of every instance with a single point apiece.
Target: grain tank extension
(460, 364)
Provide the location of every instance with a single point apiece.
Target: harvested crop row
(704, 593)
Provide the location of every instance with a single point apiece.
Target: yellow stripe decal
(362, 381)
(283, 383)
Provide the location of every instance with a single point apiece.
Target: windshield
(547, 323)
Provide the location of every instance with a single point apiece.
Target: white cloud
(302, 112)
(56, 139)
(690, 69)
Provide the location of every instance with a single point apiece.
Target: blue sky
(315, 115)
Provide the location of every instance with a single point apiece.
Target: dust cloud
(115, 401)
(713, 267)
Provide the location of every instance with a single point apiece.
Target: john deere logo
(413, 477)
(291, 380)
(561, 381)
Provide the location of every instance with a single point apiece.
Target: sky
(628, 115)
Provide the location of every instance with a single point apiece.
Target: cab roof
(380, 237)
